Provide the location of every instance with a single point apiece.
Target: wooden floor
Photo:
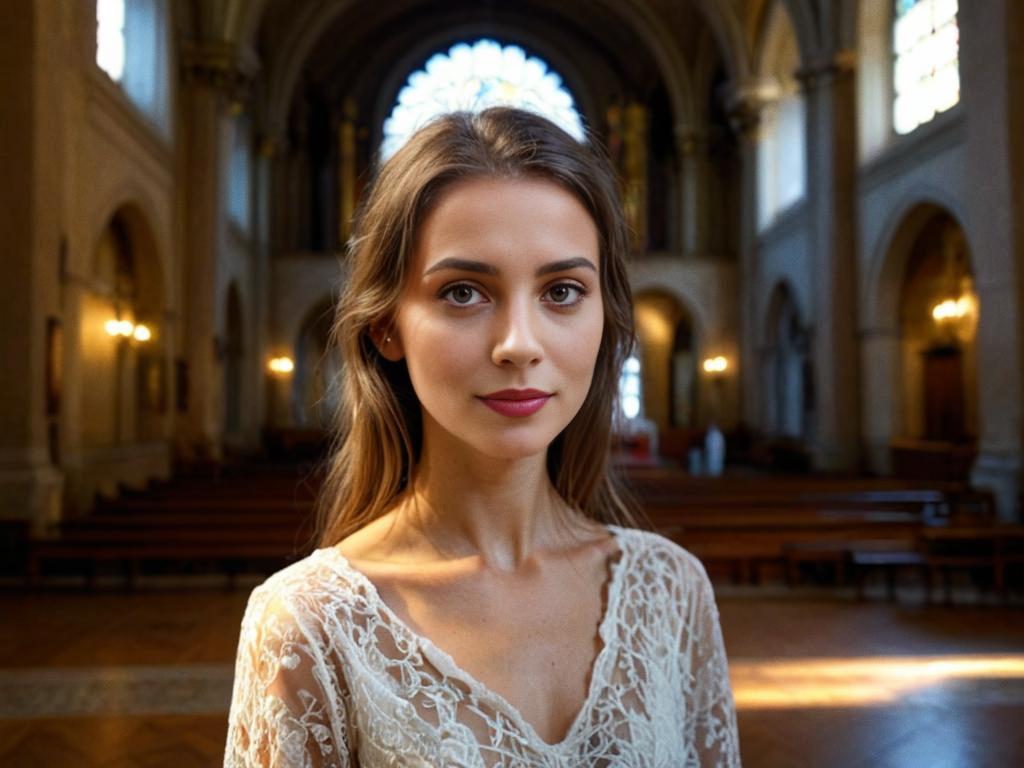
(820, 679)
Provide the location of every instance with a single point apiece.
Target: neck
(499, 510)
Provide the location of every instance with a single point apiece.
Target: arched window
(926, 76)
(476, 76)
(132, 48)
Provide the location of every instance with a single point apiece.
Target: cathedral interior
(826, 202)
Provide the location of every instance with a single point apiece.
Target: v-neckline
(448, 667)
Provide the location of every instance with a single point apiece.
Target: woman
(472, 602)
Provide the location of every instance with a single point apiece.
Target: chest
(532, 641)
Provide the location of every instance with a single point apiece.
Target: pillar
(693, 147)
(31, 485)
(745, 118)
(831, 184)
(212, 77)
(991, 70)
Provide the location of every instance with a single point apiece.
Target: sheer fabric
(328, 675)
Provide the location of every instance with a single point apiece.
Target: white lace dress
(328, 675)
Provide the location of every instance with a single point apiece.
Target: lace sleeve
(285, 712)
(711, 714)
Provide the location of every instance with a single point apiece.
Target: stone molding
(219, 66)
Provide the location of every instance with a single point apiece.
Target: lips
(516, 402)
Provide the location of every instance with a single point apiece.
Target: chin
(514, 448)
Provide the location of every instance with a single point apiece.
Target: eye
(461, 295)
(565, 294)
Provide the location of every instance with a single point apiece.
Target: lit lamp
(954, 317)
(715, 366)
(126, 329)
(280, 366)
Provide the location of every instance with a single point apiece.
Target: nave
(120, 635)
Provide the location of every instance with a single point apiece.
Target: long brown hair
(379, 429)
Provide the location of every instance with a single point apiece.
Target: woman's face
(501, 320)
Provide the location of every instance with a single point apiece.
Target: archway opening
(667, 351)
(938, 316)
(123, 397)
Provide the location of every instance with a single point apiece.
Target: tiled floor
(820, 680)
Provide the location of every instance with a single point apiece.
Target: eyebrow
(468, 265)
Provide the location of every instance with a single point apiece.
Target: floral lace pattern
(327, 676)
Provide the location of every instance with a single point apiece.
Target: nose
(517, 342)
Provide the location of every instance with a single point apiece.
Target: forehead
(500, 219)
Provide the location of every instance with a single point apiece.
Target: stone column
(212, 77)
(992, 68)
(30, 230)
(745, 118)
(831, 185)
(693, 147)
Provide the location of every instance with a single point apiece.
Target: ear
(385, 338)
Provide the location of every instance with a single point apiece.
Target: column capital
(221, 66)
(745, 103)
(827, 68)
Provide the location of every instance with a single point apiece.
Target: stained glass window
(476, 76)
(110, 37)
(926, 78)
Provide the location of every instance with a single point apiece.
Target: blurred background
(824, 402)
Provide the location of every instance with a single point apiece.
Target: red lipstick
(516, 402)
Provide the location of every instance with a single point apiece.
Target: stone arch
(927, 362)
(669, 352)
(123, 399)
(888, 257)
(313, 23)
(782, 151)
(728, 31)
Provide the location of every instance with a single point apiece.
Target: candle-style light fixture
(716, 365)
(128, 330)
(281, 366)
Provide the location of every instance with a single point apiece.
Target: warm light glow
(715, 364)
(127, 329)
(281, 366)
(869, 681)
(952, 309)
(120, 327)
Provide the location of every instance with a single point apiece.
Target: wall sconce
(715, 365)
(956, 317)
(951, 309)
(128, 330)
(281, 366)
